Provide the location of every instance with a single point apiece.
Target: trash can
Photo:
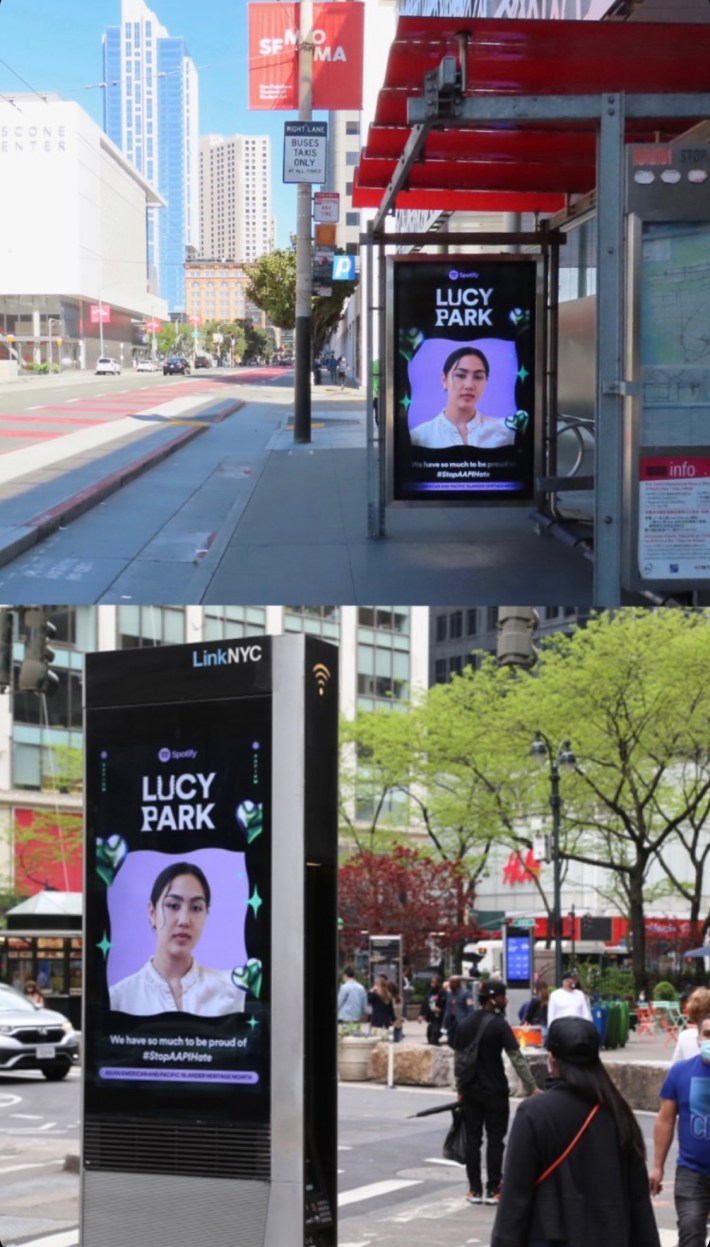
(600, 1017)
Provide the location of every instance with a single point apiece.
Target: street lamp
(563, 756)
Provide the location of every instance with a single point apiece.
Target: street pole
(304, 258)
(555, 803)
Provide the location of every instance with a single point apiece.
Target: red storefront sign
(100, 312)
(338, 31)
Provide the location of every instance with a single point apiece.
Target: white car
(147, 365)
(105, 366)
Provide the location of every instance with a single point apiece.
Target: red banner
(338, 31)
(100, 312)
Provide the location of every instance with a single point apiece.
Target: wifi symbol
(322, 675)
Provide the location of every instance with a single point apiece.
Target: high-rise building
(151, 113)
(235, 197)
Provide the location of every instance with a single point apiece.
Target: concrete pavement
(294, 527)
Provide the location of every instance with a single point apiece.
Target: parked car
(147, 365)
(176, 363)
(34, 1037)
(107, 366)
(203, 361)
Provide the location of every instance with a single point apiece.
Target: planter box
(354, 1053)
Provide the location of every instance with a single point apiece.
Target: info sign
(464, 378)
(305, 147)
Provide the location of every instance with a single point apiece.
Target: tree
(173, 339)
(272, 287)
(404, 892)
(630, 692)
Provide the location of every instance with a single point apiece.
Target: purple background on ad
(425, 369)
(132, 938)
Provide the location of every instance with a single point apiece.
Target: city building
(73, 257)
(151, 105)
(216, 290)
(236, 220)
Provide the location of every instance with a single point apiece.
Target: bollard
(390, 1057)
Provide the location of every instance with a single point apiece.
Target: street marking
(38, 1164)
(7, 1099)
(19, 462)
(49, 1125)
(29, 1116)
(438, 1160)
(373, 1190)
(67, 1238)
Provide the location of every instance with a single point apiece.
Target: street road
(149, 539)
(395, 1190)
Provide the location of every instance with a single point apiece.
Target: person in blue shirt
(352, 998)
(685, 1098)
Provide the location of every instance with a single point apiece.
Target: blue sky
(55, 45)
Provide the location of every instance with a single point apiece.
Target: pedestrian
(575, 1170)
(407, 993)
(484, 1090)
(33, 993)
(352, 998)
(459, 1002)
(342, 371)
(568, 1000)
(398, 1008)
(685, 1099)
(381, 1007)
(332, 367)
(432, 1010)
(697, 1008)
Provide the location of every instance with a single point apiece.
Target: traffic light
(516, 629)
(6, 637)
(35, 673)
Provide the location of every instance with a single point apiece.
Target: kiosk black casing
(166, 1154)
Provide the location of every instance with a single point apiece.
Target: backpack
(466, 1060)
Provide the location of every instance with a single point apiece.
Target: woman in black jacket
(575, 1169)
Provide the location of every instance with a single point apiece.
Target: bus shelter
(534, 119)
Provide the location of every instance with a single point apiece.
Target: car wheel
(165, 372)
(55, 1073)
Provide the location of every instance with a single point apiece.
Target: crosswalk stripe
(373, 1190)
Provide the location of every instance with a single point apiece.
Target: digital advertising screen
(178, 910)
(464, 378)
(518, 959)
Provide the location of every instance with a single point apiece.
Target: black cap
(569, 974)
(491, 988)
(574, 1040)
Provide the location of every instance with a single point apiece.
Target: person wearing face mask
(685, 1099)
(575, 1170)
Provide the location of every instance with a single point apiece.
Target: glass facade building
(151, 113)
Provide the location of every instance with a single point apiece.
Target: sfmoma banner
(337, 58)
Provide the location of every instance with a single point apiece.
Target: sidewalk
(296, 526)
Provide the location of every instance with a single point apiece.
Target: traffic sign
(305, 144)
(326, 207)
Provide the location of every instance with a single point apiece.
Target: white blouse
(440, 433)
(207, 993)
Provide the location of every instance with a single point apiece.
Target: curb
(40, 526)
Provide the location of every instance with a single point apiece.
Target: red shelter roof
(522, 164)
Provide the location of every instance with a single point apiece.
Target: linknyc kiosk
(209, 1092)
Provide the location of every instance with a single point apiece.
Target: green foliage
(615, 983)
(665, 991)
(272, 287)
(173, 339)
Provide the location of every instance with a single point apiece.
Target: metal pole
(609, 436)
(555, 804)
(304, 257)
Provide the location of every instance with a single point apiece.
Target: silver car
(33, 1037)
